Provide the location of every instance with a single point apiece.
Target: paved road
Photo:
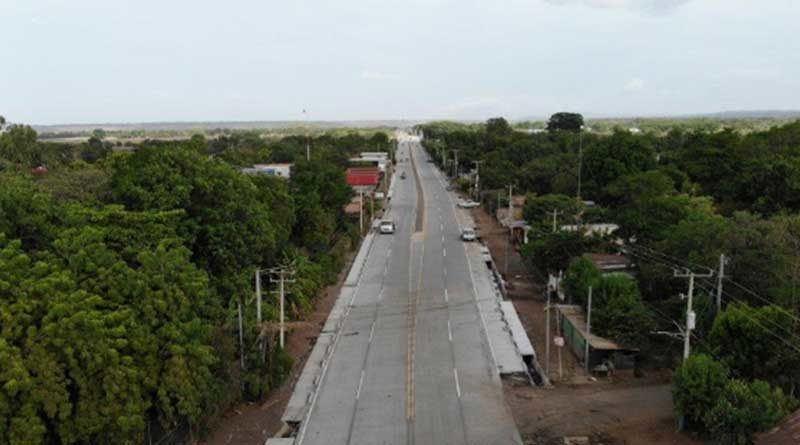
(412, 364)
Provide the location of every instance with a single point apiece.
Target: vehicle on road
(403, 175)
(468, 234)
(387, 226)
(449, 187)
(468, 203)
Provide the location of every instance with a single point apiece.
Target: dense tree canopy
(120, 275)
(681, 198)
(564, 121)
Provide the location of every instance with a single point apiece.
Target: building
(610, 263)
(599, 229)
(279, 170)
(374, 155)
(363, 176)
(573, 330)
(374, 159)
(787, 432)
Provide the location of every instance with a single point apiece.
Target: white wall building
(279, 170)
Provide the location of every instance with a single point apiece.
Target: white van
(469, 234)
(387, 226)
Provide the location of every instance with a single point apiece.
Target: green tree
(744, 409)
(98, 133)
(564, 121)
(581, 274)
(26, 212)
(610, 158)
(552, 252)
(618, 311)
(94, 149)
(696, 386)
(639, 187)
(758, 343)
(538, 210)
(230, 230)
(18, 145)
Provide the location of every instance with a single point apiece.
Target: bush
(696, 387)
(744, 409)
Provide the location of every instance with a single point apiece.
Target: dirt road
(629, 413)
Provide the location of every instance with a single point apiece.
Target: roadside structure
(279, 170)
(601, 350)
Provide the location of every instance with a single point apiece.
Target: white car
(468, 204)
(387, 226)
(468, 234)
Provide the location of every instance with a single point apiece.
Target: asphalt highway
(412, 363)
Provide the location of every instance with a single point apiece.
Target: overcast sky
(82, 61)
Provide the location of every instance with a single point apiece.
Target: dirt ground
(627, 412)
(620, 411)
(252, 423)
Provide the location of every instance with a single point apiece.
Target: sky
(97, 61)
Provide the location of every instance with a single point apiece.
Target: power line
(786, 330)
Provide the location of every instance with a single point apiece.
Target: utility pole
(508, 247)
(455, 165)
(241, 338)
(477, 179)
(361, 211)
(555, 213)
(588, 331)
(560, 347)
(510, 217)
(547, 337)
(720, 276)
(258, 313)
(690, 316)
(510, 204)
(281, 273)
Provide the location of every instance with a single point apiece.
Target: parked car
(468, 203)
(468, 234)
(387, 226)
(403, 175)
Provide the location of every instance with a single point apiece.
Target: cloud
(634, 85)
(649, 6)
(377, 75)
(477, 104)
